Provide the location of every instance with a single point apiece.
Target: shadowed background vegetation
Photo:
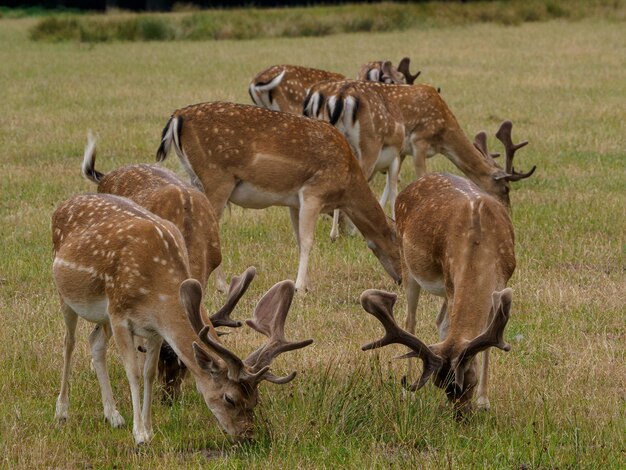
(558, 398)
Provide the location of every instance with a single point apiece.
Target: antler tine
(269, 319)
(504, 136)
(403, 67)
(380, 304)
(238, 287)
(480, 142)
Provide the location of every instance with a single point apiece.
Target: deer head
(449, 362)
(230, 386)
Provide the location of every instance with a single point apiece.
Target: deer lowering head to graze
(161, 192)
(284, 87)
(430, 128)
(257, 158)
(374, 131)
(457, 242)
(127, 270)
(383, 71)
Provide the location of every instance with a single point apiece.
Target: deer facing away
(127, 270)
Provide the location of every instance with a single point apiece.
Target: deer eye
(229, 400)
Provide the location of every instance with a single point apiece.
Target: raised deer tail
(261, 92)
(89, 161)
(167, 137)
(171, 137)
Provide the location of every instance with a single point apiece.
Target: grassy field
(558, 398)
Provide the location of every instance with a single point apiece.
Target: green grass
(314, 21)
(558, 397)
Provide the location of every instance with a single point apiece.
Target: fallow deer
(375, 133)
(457, 242)
(284, 87)
(163, 193)
(430, 128)
(127, 270)
(258, 158)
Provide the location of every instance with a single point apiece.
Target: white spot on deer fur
(163, 297)
(156, 259)
(143, 291)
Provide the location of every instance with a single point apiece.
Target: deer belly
(386, 156)
(434, 286)
(249, 196)
(94, 311)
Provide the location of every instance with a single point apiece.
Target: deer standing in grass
(127, 270)
(258, 158)
(457, 242)
(284, 87)
(374, 131)
(430, 128)
(161, 192)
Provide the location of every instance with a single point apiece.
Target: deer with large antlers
(258, 158)
(375, 133)
(284, 87)
(430, 128)
(127, 270)
(457, 242)
(163, 193)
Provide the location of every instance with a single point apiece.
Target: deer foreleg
(153, 348)
(63, 401)
(309, 211)
(99, 341)
(126, 347)
(482, 400)
(413, 290)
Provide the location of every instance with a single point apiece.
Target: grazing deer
(430, 128)
(257, 158)
(457, 242)
(284, 87)
(161, 192)
(375, 133)
(127, 270)
(385, 72)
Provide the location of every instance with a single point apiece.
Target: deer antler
(269, 319)
(493, 336)
(238, 287)
(480, 142)
(403, 67)
(504, 136)
(380, 305)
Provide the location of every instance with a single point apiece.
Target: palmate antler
(403, 67)
(380, 305)
(269, 319)
(238, 287)
(504, 136)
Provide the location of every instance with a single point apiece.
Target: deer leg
(413, 290)
(63, 401)
(420, 154)
(443, 321)
(309, 211)
(334, 231)
(483, 382)
(153, 348)
(295, 223)
(99, 340)
(392, 182)
(125, 345)
(220, 193)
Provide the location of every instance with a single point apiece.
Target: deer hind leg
(99, 341)
(153, 348)
(392, 182)
(442, 321)
(334, 231)
(309, 211)
(220, 193)
(125, 345)
(413, 290)
(482, 401)
(294, 216)
(420, 154)
(63, 401)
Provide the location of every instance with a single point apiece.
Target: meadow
(558, 398)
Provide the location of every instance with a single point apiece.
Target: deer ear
(205, 361)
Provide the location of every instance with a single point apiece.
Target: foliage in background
(313, 21)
